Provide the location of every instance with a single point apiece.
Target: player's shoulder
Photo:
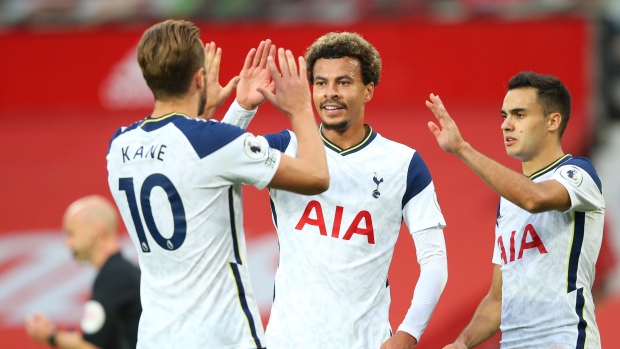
(124, 129)
(572, 170)
(393, 146)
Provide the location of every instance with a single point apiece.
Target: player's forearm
(509, 184)
(310, 154)
(431, 252)
(72, 340)
(484, 324)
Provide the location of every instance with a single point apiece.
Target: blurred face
(525, 125)
(79, 238)
(339, 93)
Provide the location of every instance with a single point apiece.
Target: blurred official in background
(110, 318)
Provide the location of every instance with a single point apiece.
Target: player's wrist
(51, 339)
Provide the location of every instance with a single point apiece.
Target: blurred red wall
(59, 111)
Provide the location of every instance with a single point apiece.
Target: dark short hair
(551, 94)
(169, 54)
(345, 44)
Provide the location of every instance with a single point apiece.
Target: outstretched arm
(515, 187)
(486, 320)
(307, 173)
(431, 253)
(43, 331)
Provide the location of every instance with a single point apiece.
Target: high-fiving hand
(254, 75)
(292, 95)
(448, 136)
(216, 94)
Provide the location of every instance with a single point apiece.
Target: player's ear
(200, 78)
(553, 121)
(369, 92)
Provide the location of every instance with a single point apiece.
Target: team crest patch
(93, 317)
(254, 148)
(572, 174)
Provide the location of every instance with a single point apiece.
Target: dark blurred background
(70, 78)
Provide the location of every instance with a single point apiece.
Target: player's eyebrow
(340, 77)
(513, 111)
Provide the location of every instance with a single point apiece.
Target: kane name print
(155, 152)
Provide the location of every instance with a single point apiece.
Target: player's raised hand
(448, 135)
(216, 94)
(255, 74)
(292, 95)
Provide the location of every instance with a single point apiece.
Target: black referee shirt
(117, 290)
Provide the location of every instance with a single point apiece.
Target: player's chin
(335, 124)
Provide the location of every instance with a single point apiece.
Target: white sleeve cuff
(238, 116)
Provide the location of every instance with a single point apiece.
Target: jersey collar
(552, 166)
(359, 146)
(150, 124)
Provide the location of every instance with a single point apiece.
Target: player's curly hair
(345, 44)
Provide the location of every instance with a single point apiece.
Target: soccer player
(111, 316)
(176, 180)
(549, 223)
(331, 287)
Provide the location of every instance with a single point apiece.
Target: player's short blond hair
(346, 44)
(169, 54)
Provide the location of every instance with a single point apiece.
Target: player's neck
(542, 160)
(348, 138)
(185, 107)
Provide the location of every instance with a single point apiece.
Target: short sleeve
(582, 183)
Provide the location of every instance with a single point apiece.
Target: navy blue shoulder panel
(418, 178)
(586, 165)
(120, 131)
(279, 141)
(207, 137)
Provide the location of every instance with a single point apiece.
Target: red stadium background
(65, 92)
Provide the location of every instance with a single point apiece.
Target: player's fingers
(231, 86)
(215, 66)
(273, 70)
(267, 94)
(292, 65)
(302, 67)
(284, 70)
(434, 128)
(210, 49)
(263, 57)
(249, 58)
(271, 87)
(259, 53)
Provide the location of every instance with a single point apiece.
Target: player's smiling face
(339, 93)
(524, 126)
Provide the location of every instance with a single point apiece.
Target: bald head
(91, 223)
(94, 209)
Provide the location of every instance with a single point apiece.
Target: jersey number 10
(178, 212)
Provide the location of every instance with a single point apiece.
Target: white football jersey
(331, 287)
(547, 262)
(176, 182)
